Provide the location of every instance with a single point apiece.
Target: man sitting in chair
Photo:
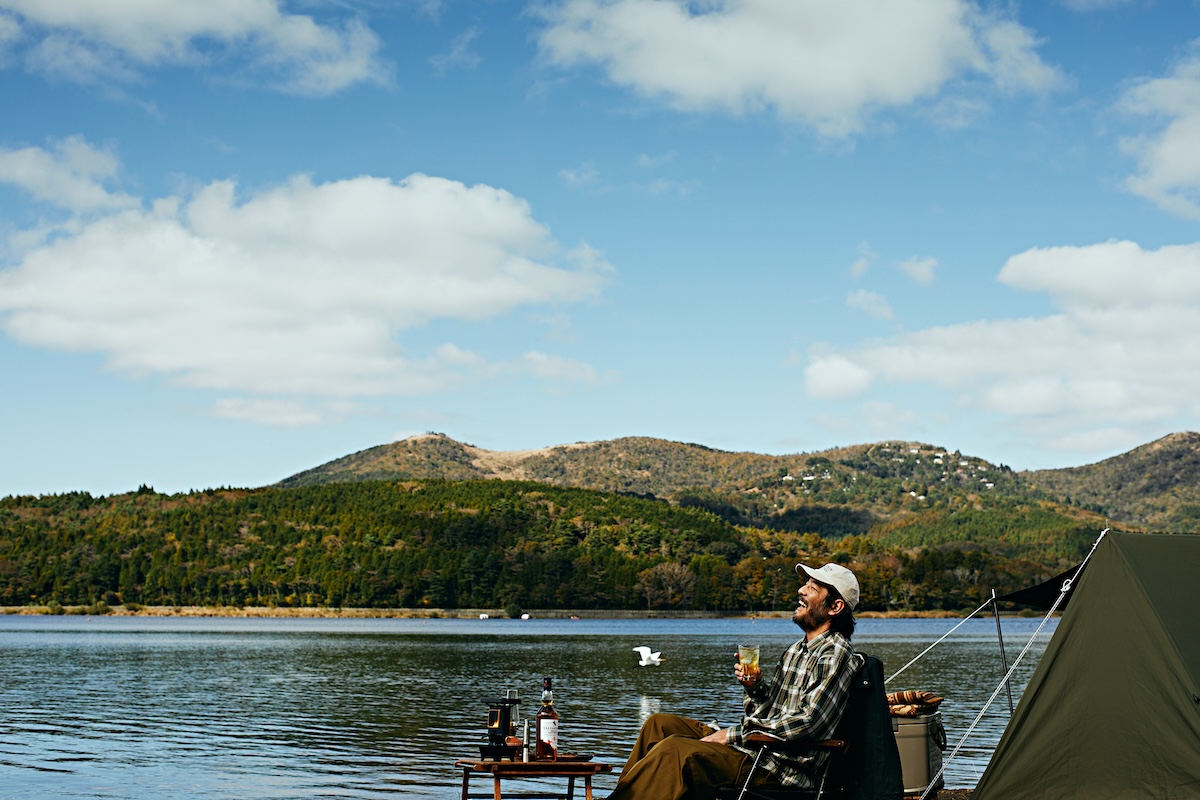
(676, 757)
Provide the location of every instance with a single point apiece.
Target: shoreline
(318, 612)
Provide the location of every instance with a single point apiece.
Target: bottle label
(548, 732)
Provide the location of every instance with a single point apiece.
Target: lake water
(147, 708)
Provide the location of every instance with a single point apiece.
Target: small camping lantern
(500, 726)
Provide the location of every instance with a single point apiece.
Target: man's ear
(838, 606)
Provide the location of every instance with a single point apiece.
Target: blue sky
(241, 238)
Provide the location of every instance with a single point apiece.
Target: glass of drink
(748, 658)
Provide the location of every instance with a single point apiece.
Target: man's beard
(810, 618)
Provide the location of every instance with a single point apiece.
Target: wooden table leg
(570, 787)
(587, 787)
(466, 778)
(496, 788)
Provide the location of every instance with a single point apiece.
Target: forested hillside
(633, 523)
(841, 491)
(1156, 486)
(499, 544)
(833, 493)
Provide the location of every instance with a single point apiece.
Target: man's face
(810, 612)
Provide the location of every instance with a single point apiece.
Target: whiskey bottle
(546, 725)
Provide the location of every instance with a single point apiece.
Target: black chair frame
(762, 742)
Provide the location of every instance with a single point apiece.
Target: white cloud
(825, 65)
(866, 257)
(282, 413)
(301, 291)
(1169, 160)
(918, 269)
(585, 174)
(1015, 65)
(459, 55)
(648, 161)
(662, 186)
(875, 305)
(1119, 352)
(1085, 6)
(557, 368)
(71, 176)
(10, 30)
(430, 8)
(834, 376)
(81, 40)
(958, 112)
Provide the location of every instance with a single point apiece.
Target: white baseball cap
(838, 577)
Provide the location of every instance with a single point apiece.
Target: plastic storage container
(920, 741)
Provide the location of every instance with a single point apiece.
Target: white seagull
(649, 659)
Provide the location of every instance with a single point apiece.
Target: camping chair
(762, 742)
(864, 762)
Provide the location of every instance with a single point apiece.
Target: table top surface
(534, 768)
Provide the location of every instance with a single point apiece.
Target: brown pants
(669, 762)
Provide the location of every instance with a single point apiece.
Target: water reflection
(147, 708)
(648, 706)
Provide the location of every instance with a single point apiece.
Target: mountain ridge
(637, 464)
(1154, 486)
(1157, 484)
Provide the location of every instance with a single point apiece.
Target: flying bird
(649, 659)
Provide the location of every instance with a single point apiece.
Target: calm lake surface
(147, 708)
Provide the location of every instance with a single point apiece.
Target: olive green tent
(1113, 708)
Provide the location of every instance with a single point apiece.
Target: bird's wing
(645, 651)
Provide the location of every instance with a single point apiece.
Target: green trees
(666, 585)
(496, 544)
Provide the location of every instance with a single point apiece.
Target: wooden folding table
(515, 770)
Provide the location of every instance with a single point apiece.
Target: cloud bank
(1116, 359)
(824, 65)
(85, 41)
(1168, 159)
(302, 291)
(72, 175)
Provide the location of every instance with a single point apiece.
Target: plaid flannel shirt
(804, 701)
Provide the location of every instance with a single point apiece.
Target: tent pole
(1003, 658)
